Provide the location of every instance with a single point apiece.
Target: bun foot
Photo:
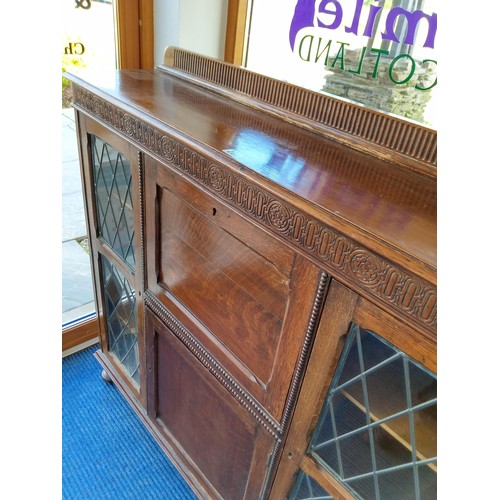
(105, 376)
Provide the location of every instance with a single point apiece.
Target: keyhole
(214, 211)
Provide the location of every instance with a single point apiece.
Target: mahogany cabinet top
(374, 201)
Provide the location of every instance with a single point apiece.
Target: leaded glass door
(112, 182)
(365, 426)
(121, 319)
(377, 430)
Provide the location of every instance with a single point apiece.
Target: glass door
(377, 430)
(365, 424)
(88, 43)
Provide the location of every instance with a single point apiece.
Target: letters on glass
(378, 53)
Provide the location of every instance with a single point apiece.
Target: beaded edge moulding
(363, 128)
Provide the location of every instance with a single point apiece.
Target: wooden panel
(226, 218)
(235, 263)
(218, 436)
(238, 295)
(240, 292)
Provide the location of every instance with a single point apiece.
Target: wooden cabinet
(266, 286)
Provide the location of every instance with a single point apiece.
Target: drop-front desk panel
(266, 293)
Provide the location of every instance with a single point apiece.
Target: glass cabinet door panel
(307, 488)
(113, 198)
(377, 430)
(424, 390)
(121, 319)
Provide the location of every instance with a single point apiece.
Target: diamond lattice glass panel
(377, 429)
(113, 198)
(307, 488)
(121, 319)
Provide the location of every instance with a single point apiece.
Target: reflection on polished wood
(369, 130)
(383, 200)
(380, 265)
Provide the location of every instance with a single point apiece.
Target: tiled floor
(77, 293)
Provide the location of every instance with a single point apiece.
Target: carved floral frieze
(348, 261)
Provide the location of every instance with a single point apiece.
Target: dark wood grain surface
(239, 291)
(360, 193)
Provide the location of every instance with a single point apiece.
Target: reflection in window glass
(379, 53)
(87, 43)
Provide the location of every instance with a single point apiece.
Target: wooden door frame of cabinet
(87, 126)
(134, 23)
(329, 341)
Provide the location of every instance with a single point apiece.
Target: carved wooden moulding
(265, 420)
(246, 400)
(364, 270)
(363, 128)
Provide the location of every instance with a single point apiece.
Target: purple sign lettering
(302, 18)
(306, 13)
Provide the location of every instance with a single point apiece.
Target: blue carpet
(107, 451)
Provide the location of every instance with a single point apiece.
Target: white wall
(195, 25)
(166, 26)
